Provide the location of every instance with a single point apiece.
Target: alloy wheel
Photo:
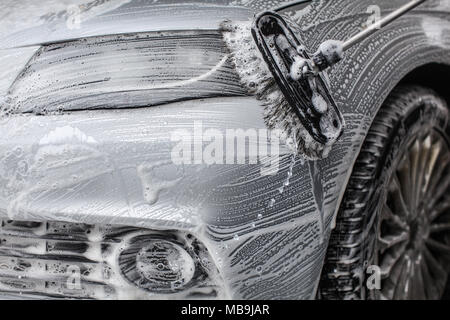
(413, 241)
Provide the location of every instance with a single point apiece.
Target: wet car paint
(263, 248)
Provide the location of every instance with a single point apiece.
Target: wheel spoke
(440, 190)
(441, 248)
(390, 258)
(418, 285)
(396, 220)
(399, 201)
(438, 272)
(440, 208)
(389, 286)
(436, 177)
(430, 289)
(440, 227)
(435, 151)
(415, 165)
(391, 240)
(404, 177)
(424, 157)
(403, 285)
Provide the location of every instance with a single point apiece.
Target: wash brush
(275, 66)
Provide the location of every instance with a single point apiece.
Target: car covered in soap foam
(135, 164)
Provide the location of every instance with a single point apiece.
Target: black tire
(355, 243)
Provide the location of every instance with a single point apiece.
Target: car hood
(28, 23)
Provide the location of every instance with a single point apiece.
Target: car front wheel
(394, 221)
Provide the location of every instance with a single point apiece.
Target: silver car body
(98, 166)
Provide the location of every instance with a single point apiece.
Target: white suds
(298, 68)
(66, 134)
(153, 185)
(332, 50)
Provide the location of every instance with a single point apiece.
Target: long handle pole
(382, 23)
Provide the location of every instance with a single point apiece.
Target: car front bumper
(95, 167)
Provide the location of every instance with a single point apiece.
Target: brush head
(269, 59)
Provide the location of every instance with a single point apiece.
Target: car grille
(70, 260)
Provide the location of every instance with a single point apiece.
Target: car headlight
(130, 70)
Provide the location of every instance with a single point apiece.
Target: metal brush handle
(382, 23)
(331, 52)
